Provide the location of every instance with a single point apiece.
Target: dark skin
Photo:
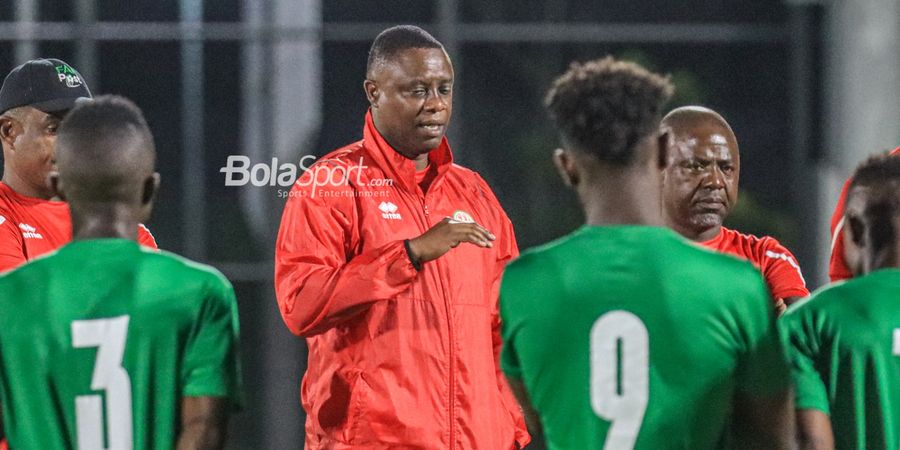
(411, 99)
(864, 217)
(203, 423)
(700, 180)
(28, 136)
(609, 195)
(614, 195)
(861, 220)
(113, 209)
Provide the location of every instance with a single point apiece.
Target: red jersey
(777, 264)
(398, 357)
(837, 265)
(30, 227)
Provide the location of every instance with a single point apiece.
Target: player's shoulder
(180, 269)
(830, 297)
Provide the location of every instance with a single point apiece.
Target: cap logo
(68, 75)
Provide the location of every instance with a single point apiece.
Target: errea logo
(29, 232)
(389, 211)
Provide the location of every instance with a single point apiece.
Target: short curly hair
(606, 106)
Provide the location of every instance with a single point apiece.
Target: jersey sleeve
(512, 319)
(782, 272)
(211, 366)
(762, 365)
(320, 280)
(801, 342)
(145, 238)
(12, 249)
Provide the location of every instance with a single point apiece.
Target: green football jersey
(632, 337)
(101, 340)
(844, 347)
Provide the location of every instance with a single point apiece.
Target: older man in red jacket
(388, 262)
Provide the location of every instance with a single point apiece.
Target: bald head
(106, 156)
(682, 120)
(700, 180)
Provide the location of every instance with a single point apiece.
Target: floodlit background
(810, 88)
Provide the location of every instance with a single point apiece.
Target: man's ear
(148, 196)
(372, 92)
(151, 187)
(56, 185)
(566, 167)
(10, 129)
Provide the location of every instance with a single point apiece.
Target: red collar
(25, 200)
(398, 166)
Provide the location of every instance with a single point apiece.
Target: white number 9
(619, 338)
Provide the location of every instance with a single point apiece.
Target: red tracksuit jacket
(398, 358)
(30, 227)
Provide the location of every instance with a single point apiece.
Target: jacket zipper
(451, 339)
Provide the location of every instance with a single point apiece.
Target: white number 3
(109, 336)
(620, 362)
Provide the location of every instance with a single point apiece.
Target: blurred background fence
(810, 88)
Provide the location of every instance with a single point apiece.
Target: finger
(485, 231)
(477, 238)
(485, 234)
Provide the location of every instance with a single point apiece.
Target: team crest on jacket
(389, 211)
(462, 217)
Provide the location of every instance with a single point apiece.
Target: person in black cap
(34, 98)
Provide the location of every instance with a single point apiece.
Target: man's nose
(436, 102)
(715, 178)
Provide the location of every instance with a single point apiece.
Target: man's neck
(103, 221)
(616, 198)
(21, 187)
(421, 161)
(696, 235)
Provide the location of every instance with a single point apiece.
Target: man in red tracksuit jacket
(838, 267)
(388, 262)
(34, 98)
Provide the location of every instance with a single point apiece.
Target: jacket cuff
(415, 262)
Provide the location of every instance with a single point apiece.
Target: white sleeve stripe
(837, 232)
(785, 257)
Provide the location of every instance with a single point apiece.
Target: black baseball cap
(50, 85)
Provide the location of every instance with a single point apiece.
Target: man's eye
(419, 92)
(694, 165)
(445, 90)
(52, 129)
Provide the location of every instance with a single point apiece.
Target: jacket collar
(397, 166)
